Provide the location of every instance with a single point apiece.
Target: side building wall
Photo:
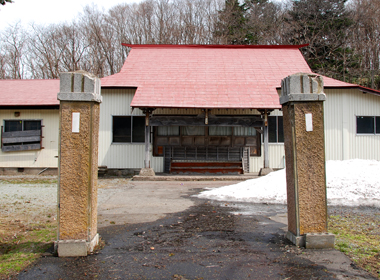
(43, 158)
(340, 111)
(116, 102)
(341, 108)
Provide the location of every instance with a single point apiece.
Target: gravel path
(23, 199)
(27, 202)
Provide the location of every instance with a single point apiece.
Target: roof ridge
(215, 46)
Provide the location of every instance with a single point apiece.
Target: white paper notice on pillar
(309, 122)
(76, 121)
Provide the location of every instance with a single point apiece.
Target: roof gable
(207, 76)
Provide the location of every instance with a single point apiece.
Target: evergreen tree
(264, 20)
(323, 25)
(231, 28)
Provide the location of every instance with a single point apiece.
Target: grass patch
(22, 245)
(358, 236)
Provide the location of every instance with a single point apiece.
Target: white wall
(341, 108)
(341, 141)
(120, 155)
(46, 157)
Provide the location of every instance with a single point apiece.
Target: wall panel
(119, 155)
(46, 157)
(341, 108)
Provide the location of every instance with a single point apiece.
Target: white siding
(333, 113)
(46, 157)
(276, 153)
(341, 108)
(120, 155)
(276, 158)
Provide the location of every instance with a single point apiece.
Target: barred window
(21, 135)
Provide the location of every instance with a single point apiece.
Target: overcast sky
(49, 11)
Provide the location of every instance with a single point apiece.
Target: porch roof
(209, 76)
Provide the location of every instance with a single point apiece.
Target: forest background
(343, 36)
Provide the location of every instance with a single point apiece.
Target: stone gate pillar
(78, 163)
(302, 104)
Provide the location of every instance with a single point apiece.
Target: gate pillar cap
(302, 87)
(79, 86)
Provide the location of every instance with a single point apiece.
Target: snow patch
(349, 183)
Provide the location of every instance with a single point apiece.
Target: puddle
(252, 209)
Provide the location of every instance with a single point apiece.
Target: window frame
(277, 130)
(131, 126)
(28, 139)
(22, 125)
(376, 125)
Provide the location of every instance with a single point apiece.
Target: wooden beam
(212, 121)
(21, 139)
(21, 147)
(24, 133)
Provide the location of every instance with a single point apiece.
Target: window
(244, 131)
(193, 130)
(367, 125)
(128, 129)
(21, 125)
(276, 130)
(220, 130)
(168, 131)
(21, 135)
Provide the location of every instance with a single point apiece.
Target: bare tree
(3, 65)
(45, 55)
(14, 44)
(100, 37)
(366, 41)
(343, 42)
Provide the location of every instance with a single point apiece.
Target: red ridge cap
(216, 46)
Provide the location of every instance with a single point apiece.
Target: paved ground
(122, 201)
(197, 239)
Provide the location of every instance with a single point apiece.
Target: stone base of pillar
(265, 171)
(319, 240)
(299, 241)
(75, 248)
(147, 172)
(313, 240)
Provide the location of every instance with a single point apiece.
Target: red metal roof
(29, 92)
(209, 76)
